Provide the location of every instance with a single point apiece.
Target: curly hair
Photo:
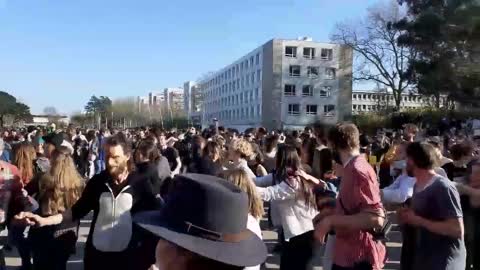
(243, 147)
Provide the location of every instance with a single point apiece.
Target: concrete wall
(344, 106)
(272, 85)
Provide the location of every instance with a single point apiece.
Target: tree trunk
(398, 99)
(1, 121)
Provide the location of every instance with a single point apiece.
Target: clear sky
(60, 52)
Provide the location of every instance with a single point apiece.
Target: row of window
(237, 114)
(375, 107)
(312, 72)
(309, 53)
(311, 109)
(290, 90)
(245, 81)
(234, 71)
(235, 100)
(390, 97)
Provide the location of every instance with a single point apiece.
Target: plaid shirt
(359, 191)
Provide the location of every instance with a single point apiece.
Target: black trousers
(357, 266)
(297, 252)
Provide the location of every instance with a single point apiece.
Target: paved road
(270, 238)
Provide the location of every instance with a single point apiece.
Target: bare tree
(378, 57)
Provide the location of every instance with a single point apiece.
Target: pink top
(359, 191)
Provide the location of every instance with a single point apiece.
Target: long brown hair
(25, 155)
(62, 186)
(240, 178)
(213, 151)
(287, 158)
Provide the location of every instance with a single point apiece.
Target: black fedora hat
(207, 216)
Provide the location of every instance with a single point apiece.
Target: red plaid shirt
(359, 191)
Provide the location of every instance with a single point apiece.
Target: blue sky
(60, 52)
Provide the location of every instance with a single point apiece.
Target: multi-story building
(192, 101)
(174, 100)
(368, 101)
(155, 98)
(281, 84)
(187, 97)
(142, 102)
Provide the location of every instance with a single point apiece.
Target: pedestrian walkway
(270, 238)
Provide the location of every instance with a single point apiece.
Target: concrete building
(368, 101)
(281, 84)
(173, 97)
(156, 98)
(192, 101)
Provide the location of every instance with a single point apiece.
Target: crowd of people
(188, 199)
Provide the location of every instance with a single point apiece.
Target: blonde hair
(243, 147)
(62, 186)
(25, 155)
(240, 178)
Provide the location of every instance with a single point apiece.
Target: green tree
(446, 35)
(9, 106)
(99, 108)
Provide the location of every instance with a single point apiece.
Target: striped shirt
(359, 191)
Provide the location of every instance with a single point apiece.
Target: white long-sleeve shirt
(294, 214)
(400, 190)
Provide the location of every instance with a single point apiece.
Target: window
(246, 64)
(307, 90)
(251, 96)
(330, 73)
(325, 91)
(252, 113)
(256, 93)
(291, 51)
(364, 107)
(294, 71)
(354, 106)
(251, 61)
(309, 53)
(329, 110)
(259, 75)
(242, 82)
(258, 110)
(252, 77)
(326, 54)
(293, 109)
(247, 80)
(312, 72)
(257, 59)
(241, 67)
(311, 109)
(289, 90)
(246, 97)
(354, 96)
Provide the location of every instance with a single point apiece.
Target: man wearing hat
(203, 225)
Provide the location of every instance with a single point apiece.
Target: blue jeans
(99, 166)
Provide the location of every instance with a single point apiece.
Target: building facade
(156, 98)
(283, 84)
(174, 101)
(368, 101)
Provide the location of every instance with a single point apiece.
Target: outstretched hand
(29, 219)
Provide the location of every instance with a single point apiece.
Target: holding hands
(30, 219)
